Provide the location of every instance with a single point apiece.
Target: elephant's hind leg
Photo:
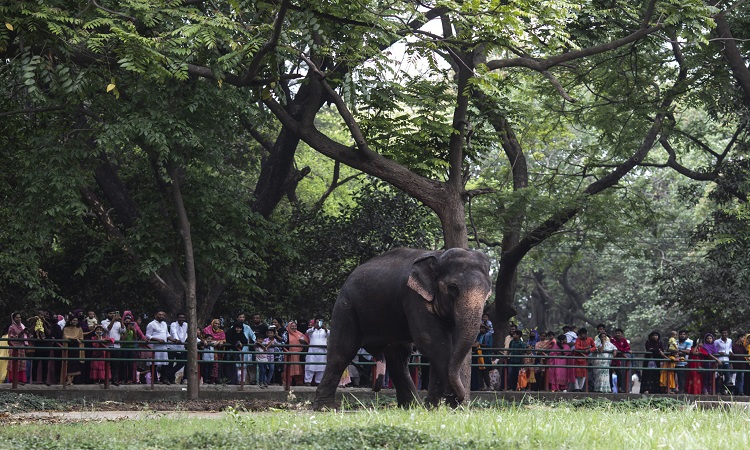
(397, 362)
(341, 350)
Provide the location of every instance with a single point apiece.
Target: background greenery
(597, 151)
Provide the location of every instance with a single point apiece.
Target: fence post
(64, 371)
(287, 382)
(153, 369)
(713, 382)
(14, 371)
(626, 364)
(107, 368)
(241, 360)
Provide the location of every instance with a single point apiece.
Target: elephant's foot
(378, 385)
(432, 402)
(324, 403)
(451, 400)
(407, 401)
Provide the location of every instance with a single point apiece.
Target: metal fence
(504, 360)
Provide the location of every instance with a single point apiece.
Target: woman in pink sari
(296, 340)
(17, 330)
(544, 348)
(560, 377)
(218, 338)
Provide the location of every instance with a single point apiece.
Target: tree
(587, 66)
(713, 285)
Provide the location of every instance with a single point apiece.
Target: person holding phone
(113, 329)
(317, 336)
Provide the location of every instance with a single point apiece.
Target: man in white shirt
(113, 329)
(178, 331)
(317, 336)
(724, 349)
(157, 334)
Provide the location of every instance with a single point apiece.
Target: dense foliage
(151, 153)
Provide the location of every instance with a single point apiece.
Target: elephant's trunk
(464, 335)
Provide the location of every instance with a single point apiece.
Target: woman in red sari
(98, 370)
(699, 358)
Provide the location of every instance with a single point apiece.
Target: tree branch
(254, 66)
(349, 120)
(556, 84)
(543, 64)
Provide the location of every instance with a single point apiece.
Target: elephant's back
(373, 294)
(388, 272)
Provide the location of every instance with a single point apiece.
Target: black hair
(619, 329)
(683, 331)
(582, 331)
(566, 327)
(601, 325)
(518, 332)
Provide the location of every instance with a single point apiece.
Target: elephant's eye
(453, 289)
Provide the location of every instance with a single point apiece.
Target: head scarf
(294, 337)
(15, 330)
(233, 336)
(138, 333)
(709, 348)
(217, 335)
(533, 338)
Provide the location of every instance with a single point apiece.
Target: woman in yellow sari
(667, 379)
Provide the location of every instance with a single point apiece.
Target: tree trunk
(541, 302)
(452, 214)
(190, 286)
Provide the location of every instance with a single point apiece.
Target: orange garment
(583, 347)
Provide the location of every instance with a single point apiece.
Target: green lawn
(590, 425)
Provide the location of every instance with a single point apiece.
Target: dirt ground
(22, 411)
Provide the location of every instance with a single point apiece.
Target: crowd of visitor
(574, 361)
(124, 348)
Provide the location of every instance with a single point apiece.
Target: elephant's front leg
(397, 361)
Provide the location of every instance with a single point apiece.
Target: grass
(584, 424)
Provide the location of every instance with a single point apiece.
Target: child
(207, 370)
(91, 320)
(265, 360)
(672, 344)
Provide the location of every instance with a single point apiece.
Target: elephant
(406, 297)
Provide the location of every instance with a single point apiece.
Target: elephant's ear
(422, 276)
